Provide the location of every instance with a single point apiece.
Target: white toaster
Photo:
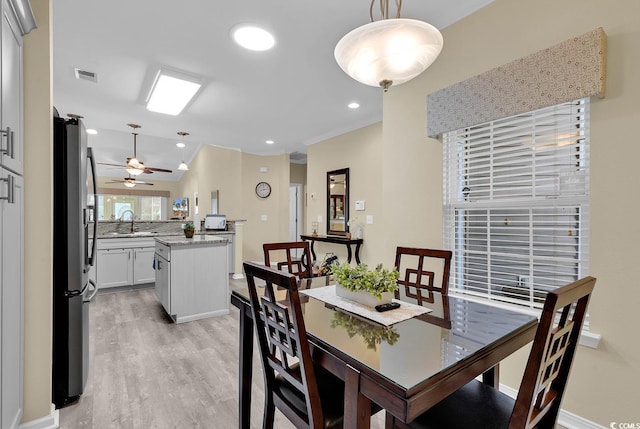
(215, 221)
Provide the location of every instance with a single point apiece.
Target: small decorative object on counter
(189, 229)
(314, 228)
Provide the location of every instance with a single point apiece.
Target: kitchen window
(111, 207)
(516, 204)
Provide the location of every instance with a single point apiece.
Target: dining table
(406, 367)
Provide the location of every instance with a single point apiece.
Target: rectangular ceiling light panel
(172, 92)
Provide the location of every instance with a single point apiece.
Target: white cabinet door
(143, 271)
(115, 268)
(12, 302)
(11, 90)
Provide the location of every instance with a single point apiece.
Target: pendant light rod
(384, 9)
(135, 127)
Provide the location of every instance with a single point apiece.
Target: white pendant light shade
(183, 166)
(130, 184)
(389, 51)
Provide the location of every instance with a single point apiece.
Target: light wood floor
(149, 373)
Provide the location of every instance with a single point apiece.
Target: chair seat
(476, 405)
(331, 390)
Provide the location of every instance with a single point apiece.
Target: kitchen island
(192, 276)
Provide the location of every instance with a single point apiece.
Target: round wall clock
(263, 189)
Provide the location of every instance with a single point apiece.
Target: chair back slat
(282, 338)
(551, 356)
(420, 270)
(299, 266)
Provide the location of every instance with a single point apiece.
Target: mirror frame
(330, 231)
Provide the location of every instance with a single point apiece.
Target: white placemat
(406, 311)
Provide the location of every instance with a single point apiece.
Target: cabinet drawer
(163, 250)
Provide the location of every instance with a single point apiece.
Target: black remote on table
(387, 307)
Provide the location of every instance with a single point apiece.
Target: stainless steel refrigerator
(74, 235)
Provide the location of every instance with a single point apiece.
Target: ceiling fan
(130, 182)
(133, 165)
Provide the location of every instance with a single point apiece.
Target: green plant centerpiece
(368, 287)
(189, 229)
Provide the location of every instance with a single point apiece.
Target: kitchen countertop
(149, 234)
(176, 240)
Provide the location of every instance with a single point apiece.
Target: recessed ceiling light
(180, 144)
(253, 38)
(171, 92)
(92, 131)
(353, 105)
(269, 142)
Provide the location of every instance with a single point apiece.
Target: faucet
(133, 217)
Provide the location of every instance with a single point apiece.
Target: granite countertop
(153, 234)
(176, 240)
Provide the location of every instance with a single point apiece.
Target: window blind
(516, 203)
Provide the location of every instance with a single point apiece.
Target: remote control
(387, 307)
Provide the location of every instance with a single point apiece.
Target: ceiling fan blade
(161, 170)
(112, 165)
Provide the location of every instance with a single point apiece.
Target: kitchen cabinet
(12, 301)
(124, 262)
(12, 28)
(192, 277)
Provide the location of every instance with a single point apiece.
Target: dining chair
(422, 270)
(284, 257)
(538, 401)
(307, 394)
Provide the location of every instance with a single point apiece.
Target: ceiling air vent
(86, 75)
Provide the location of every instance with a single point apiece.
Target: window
(516, 204)
(111, 207)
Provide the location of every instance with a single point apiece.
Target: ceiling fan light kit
(133, 165)
(389, 51)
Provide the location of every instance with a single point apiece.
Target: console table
(335, 239)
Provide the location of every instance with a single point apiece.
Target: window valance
(570, 70)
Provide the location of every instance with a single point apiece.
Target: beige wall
(214, 168)
(275, 207)
(38, 207)
(603, 386)
(298, 173)
(361, 152)
(236, 175)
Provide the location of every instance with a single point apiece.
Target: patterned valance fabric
(567, 71)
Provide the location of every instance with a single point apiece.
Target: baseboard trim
(52, 421)
(565, 418)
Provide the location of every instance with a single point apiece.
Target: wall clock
(263, 189)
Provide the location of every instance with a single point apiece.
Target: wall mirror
(338, 202)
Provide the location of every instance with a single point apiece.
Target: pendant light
(183, 166)
(389, 51)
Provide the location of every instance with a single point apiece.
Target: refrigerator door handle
(74, 293)
(95, 291)
(92, 161)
